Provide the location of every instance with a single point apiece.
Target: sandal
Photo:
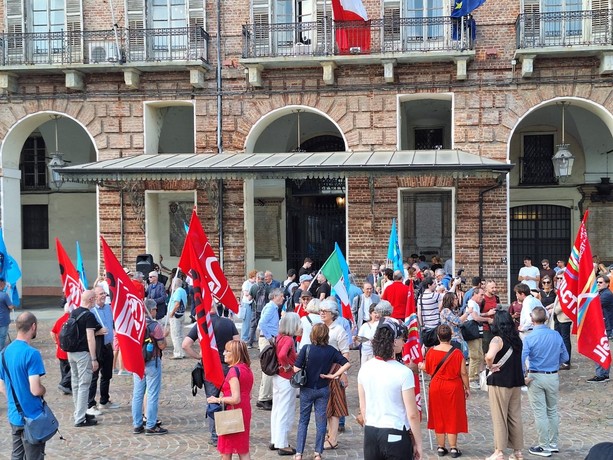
(316, 456)
(517, 455)
(441, 451)
(332, 446)
(499, 456)
(455, 452)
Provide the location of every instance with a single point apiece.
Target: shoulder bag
(299, 379)
(36, 430)
(229, 421)
(484, 374)
(470, 330)
(441, 362)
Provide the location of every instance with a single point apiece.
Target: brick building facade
(407, 81)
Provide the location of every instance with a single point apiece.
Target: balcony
(329, 43)
(121, 50)
(565, 34)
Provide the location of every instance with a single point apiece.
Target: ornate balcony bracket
(255, 74)
(328, 75)
(461, 68)
(8, 82)
(131, 77)
(196, 77)
(74, 80)
(527, 65)
(388, 69)
(606, 63)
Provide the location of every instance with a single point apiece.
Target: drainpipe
(499, 182)
(121, 237)
(219, 133)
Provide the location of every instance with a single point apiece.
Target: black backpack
(260, 299)
(70, 335)
(268, 358)
(150, 344)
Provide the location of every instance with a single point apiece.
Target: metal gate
(315, 219)
(541, 232)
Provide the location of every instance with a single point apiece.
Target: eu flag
(464, 7)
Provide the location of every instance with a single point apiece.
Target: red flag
(569, 286)
(592, 338)
(203, 302)
(128, 313)
(210, 270)
(412, 352)
(71, 285)
(411, 307)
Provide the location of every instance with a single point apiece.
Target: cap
(610, 267)
(394, 325)
(306, 293)
(304, 278)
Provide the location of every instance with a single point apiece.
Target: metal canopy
(293, 165)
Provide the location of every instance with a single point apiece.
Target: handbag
(36, 430)
(484, 374)
(429, 337)
(470, 330)
(299, 379)
(229, 421)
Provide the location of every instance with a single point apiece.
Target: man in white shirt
(528, 302)
(475, 346)
(529, 274)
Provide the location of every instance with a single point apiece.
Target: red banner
(203, 302)
(569, 286)
(412, 352)
(212, 275)
(592, 338)
(71, 284)
(128, 313)
(411, 307)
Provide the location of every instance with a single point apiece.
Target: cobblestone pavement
(585, 412)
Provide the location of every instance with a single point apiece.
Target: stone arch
(267, 119)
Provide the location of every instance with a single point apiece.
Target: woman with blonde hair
(283, 395)
(236, 394)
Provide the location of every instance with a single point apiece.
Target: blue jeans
(152, 383)
(4, 330)
(246, 325)
(310, 397)
(602, 372)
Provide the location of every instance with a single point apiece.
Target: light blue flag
(394, 256)
(10, 271)
(81, 268)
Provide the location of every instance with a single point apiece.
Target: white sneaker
(93, 411)
(552, 448)
(109, 405)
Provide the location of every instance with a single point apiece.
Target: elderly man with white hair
(156, 291)
(177, 304)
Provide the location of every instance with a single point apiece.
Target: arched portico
(68, 213)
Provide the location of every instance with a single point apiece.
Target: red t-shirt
(489, 303)
(397, 294)
(286, 354)
(57, 327)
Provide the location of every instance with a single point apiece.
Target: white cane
(425, 405)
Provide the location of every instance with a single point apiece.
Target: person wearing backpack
(155, 342)
(259, 293)
(82, 358)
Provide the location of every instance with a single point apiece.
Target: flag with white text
(71, 286)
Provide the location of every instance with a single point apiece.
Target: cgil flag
(81, 268)
(394, 256)
(128, 313)
(465, 7)
(213, 277)
(203, 302)
(10, 272)
(71, 286)
(580, 301)
(412, 352)
(336, 271)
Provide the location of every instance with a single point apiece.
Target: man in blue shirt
(176, 308)
(269, 328)
(545, 352)
(104, 351)
(25, 368)
(5, 313)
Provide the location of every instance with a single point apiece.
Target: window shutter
(74, 23)
(261, 23)
(532, 22)
(391, 25)
(600, 20)
(15, 25)
(196, 13)
(136, 24)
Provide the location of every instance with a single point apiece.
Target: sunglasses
(546, 282)
(600, 282)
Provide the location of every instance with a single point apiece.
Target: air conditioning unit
(100, 52)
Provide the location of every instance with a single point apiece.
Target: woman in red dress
(448, 392)
(236, 394)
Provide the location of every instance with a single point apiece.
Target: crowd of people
(468, 339)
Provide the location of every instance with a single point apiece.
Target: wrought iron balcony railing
(124, 46)
(571, 28)
(377, 36)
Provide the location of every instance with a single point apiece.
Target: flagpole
(423, 385)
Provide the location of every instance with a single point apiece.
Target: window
(35, 226)
(409, 23)
(425, 122)
(426, 223)
(33, 164)
(428, 139)
(536, 164)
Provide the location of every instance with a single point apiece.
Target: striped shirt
(428, 303)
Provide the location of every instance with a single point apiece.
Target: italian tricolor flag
(336, 272)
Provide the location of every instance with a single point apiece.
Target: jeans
(318, 398)
(152, 383)
(176, 334)
(105, 371)
(543, 396)
(377, 445)
(255, 319)
(246, 325)
(24, 450)
(81, 375)
(4, 330)
(564, 330)
(212, 390)
(602, 372)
